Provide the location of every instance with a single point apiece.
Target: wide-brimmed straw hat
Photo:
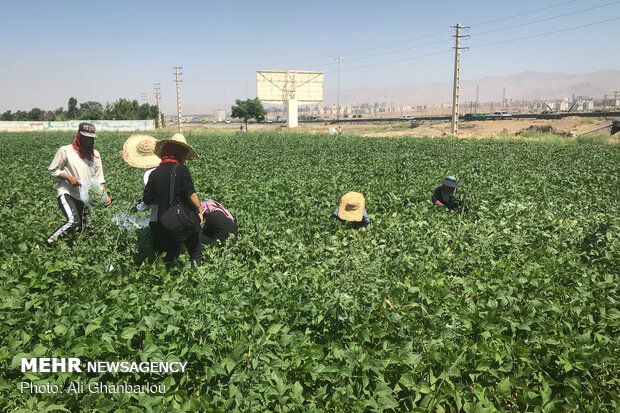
(352, 206)
(177, 139)
(139, 151)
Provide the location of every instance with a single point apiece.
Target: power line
(473, 46)
(328, 58)
(403, 41)
(547, 33)
(384, 53)
(547, 19)
(394, 61)
(483, 45)
(399, 50)
(525, 13)
(489, 31)
(442, 41)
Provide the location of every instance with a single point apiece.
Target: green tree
(60, 114)
(20, 115)
(123, 109)
(36, 114)
(91, 110)
(6, 115)
(248, 109)
(72, 109)
(145, 112)
(49, 115)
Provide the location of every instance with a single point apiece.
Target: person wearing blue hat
(446, 195)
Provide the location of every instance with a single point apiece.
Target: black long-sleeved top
(157, 189)
(450, 203)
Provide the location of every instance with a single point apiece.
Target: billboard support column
(291, 113)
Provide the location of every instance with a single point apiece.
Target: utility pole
(477, 94)
(179, 97)
(455, 94)
(339, 59)
(158, 97)
(504, 99)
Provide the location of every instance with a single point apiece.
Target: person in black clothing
(446, 195)
(219, 223)
(157, 191)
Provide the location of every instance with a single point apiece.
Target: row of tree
(122, 109)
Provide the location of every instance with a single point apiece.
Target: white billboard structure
(289, 87)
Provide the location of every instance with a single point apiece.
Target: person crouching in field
(219, 223)
(73, 164)
(446, 195)
(139, 152)
(352, 209)
(173, 153)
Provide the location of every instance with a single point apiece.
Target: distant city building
(219, 115)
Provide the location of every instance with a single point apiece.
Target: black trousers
(218, 227)
(75, 213)
(162, 243)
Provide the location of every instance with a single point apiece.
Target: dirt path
(568, 127)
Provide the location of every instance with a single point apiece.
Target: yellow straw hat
(177, 139)
(352, 206)
(139, 151)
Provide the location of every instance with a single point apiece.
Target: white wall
(72, 125)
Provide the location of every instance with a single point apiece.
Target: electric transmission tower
(457, 64)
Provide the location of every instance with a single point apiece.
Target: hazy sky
(103, 50)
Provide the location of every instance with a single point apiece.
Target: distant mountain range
(523, 86)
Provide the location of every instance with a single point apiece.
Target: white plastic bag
(126, 221)
(91, 192)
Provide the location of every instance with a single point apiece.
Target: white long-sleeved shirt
(142, 206)
(67, 161)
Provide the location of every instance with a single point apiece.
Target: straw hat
(139, 151)
(352, 206)
(177, 139)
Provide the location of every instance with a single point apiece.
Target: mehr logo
(74, 365)
(51, 365)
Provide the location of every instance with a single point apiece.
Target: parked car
(501, 115)
(406, 118)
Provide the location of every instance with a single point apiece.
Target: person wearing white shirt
(72, 165)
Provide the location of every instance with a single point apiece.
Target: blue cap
(450, 181)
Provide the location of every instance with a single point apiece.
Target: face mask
(447, 193)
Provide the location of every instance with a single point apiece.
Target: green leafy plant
(511, 306)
